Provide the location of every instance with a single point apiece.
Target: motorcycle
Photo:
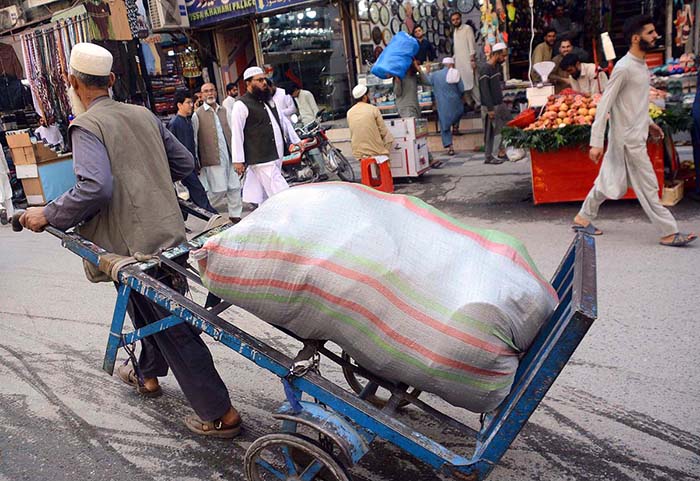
(301, 165)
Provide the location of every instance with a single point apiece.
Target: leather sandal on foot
(216, 429)
(128, 375)
(589, 229)
(680, 240)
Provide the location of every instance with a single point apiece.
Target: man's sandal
(127, 374)
(680, 240)
(215, 429)
(590, 229)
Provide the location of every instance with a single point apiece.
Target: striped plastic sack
(410, 293)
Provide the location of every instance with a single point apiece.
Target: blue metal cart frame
(347, 423)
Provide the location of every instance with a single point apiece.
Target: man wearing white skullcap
(260, 133)
(125, 163)
(369, 136)
(448, 89)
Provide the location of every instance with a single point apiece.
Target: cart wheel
(355, 383)
(291, 457)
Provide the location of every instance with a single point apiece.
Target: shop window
(305, 47)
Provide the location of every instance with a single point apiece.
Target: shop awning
(204, 13)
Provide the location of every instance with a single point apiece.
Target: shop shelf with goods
(558, 143)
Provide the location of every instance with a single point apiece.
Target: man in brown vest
(125, 163)
(213, 138)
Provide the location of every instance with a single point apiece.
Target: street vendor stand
(567, 174)
(558, 135)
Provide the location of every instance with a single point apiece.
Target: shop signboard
(264, 6)
(207, 12)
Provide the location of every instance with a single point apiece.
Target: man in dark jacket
(494, 112)
(181, 127)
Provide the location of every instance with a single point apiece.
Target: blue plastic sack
(397, 57)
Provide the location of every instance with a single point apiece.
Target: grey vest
(143, 214)
(207, 139)
(259, 138)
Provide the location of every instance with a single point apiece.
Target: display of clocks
(374, 12)
(384, 15)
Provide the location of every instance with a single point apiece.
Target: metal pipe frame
(574, 281)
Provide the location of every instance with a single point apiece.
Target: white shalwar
(464, 47)
(626, 162)
(262, 181)
(5, 187)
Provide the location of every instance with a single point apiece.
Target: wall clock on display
(377, 52)
(402, 12)
(374, 12)
(416, 15)
(386, 36)
(384, 15)
(395, 25)
(362, 10)
(377, 35)
(448, 46)
(465, 6)
(404, 28)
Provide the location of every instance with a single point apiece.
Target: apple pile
(568, 109)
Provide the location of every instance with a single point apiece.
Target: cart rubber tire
(290, 448)
(345, 170)
(357, 386)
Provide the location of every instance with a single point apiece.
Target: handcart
(331, 429)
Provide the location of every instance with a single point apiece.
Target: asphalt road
(626, 407)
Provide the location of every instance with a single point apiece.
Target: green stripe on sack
(488, 234)
(233, 294)
(400, 284)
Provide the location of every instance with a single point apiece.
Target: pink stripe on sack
(501, 249)
(373, 283)
(409, 343)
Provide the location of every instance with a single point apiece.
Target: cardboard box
(23, 155)
(673, 193)
(33, 191)
(18, 138)
(43, 152)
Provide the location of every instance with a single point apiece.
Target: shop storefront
(306, 45)
(226, 26)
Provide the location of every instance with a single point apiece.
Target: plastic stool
(377, 176)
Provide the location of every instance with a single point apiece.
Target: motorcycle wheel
(345, 171)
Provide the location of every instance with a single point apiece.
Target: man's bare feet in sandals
(585, 225)
(150, 387)
(678, 239)
(226, 427)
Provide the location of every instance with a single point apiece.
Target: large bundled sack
(410, 293)
(397, 57)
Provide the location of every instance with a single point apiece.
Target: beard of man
(645, 46)
(77, 105)
(261, 94)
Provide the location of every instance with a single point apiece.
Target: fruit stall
(557, 136)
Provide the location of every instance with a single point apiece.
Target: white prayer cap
(251, 72)
(91, 59)
(498, 47)
(359, 91)
(448, 60)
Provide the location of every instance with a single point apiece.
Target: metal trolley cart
(342, 423)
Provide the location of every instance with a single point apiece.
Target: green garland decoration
(674, 119)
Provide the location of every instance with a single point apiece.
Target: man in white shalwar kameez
(6, 208)
(464, 46)
(626, 162)
(259, 133)
(212, 136)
